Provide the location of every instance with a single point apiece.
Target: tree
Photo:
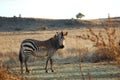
(80, 15)
(19, 15)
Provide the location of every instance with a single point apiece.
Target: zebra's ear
(65, 34)
(56, 34)
(62, 33)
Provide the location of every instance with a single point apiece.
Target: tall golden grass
(106, 38)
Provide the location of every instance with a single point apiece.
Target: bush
(105, 41)
(44, 28)
(103, 54)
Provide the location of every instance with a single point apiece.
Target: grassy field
(66, 61)
(71, 71)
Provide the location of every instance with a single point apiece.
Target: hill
(33, 24)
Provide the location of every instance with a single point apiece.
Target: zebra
(37, 48)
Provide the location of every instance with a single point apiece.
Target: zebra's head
(60, 37)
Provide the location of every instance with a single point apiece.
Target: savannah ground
(67, 62)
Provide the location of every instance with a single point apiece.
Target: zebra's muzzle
(62, 46)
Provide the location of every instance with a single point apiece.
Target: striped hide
(40, 48)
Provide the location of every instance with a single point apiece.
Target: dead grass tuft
(7, 75)
(103, 54)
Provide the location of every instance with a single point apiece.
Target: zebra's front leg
(51, 63)
(46, 64)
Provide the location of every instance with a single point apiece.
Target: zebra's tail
(20, 56)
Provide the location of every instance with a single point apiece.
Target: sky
(60, 9)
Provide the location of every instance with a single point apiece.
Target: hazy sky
(60, 9)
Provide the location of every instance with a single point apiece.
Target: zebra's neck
(54, 43)
(50, 43)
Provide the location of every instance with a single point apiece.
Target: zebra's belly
(41, 53)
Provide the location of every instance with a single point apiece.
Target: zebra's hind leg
(26, 59)
(27, 70)
(21, 66)
(21, 62)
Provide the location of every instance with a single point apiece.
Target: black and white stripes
(40, 48)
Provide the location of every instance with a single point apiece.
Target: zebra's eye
(62, 37)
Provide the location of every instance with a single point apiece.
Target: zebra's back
(34, 47)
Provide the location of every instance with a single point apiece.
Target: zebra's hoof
(52, 70)
(46, 71)
(28, 71)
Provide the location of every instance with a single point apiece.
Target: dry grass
(10, 44)
(7, 75)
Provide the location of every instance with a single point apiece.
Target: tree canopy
(80, 15)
